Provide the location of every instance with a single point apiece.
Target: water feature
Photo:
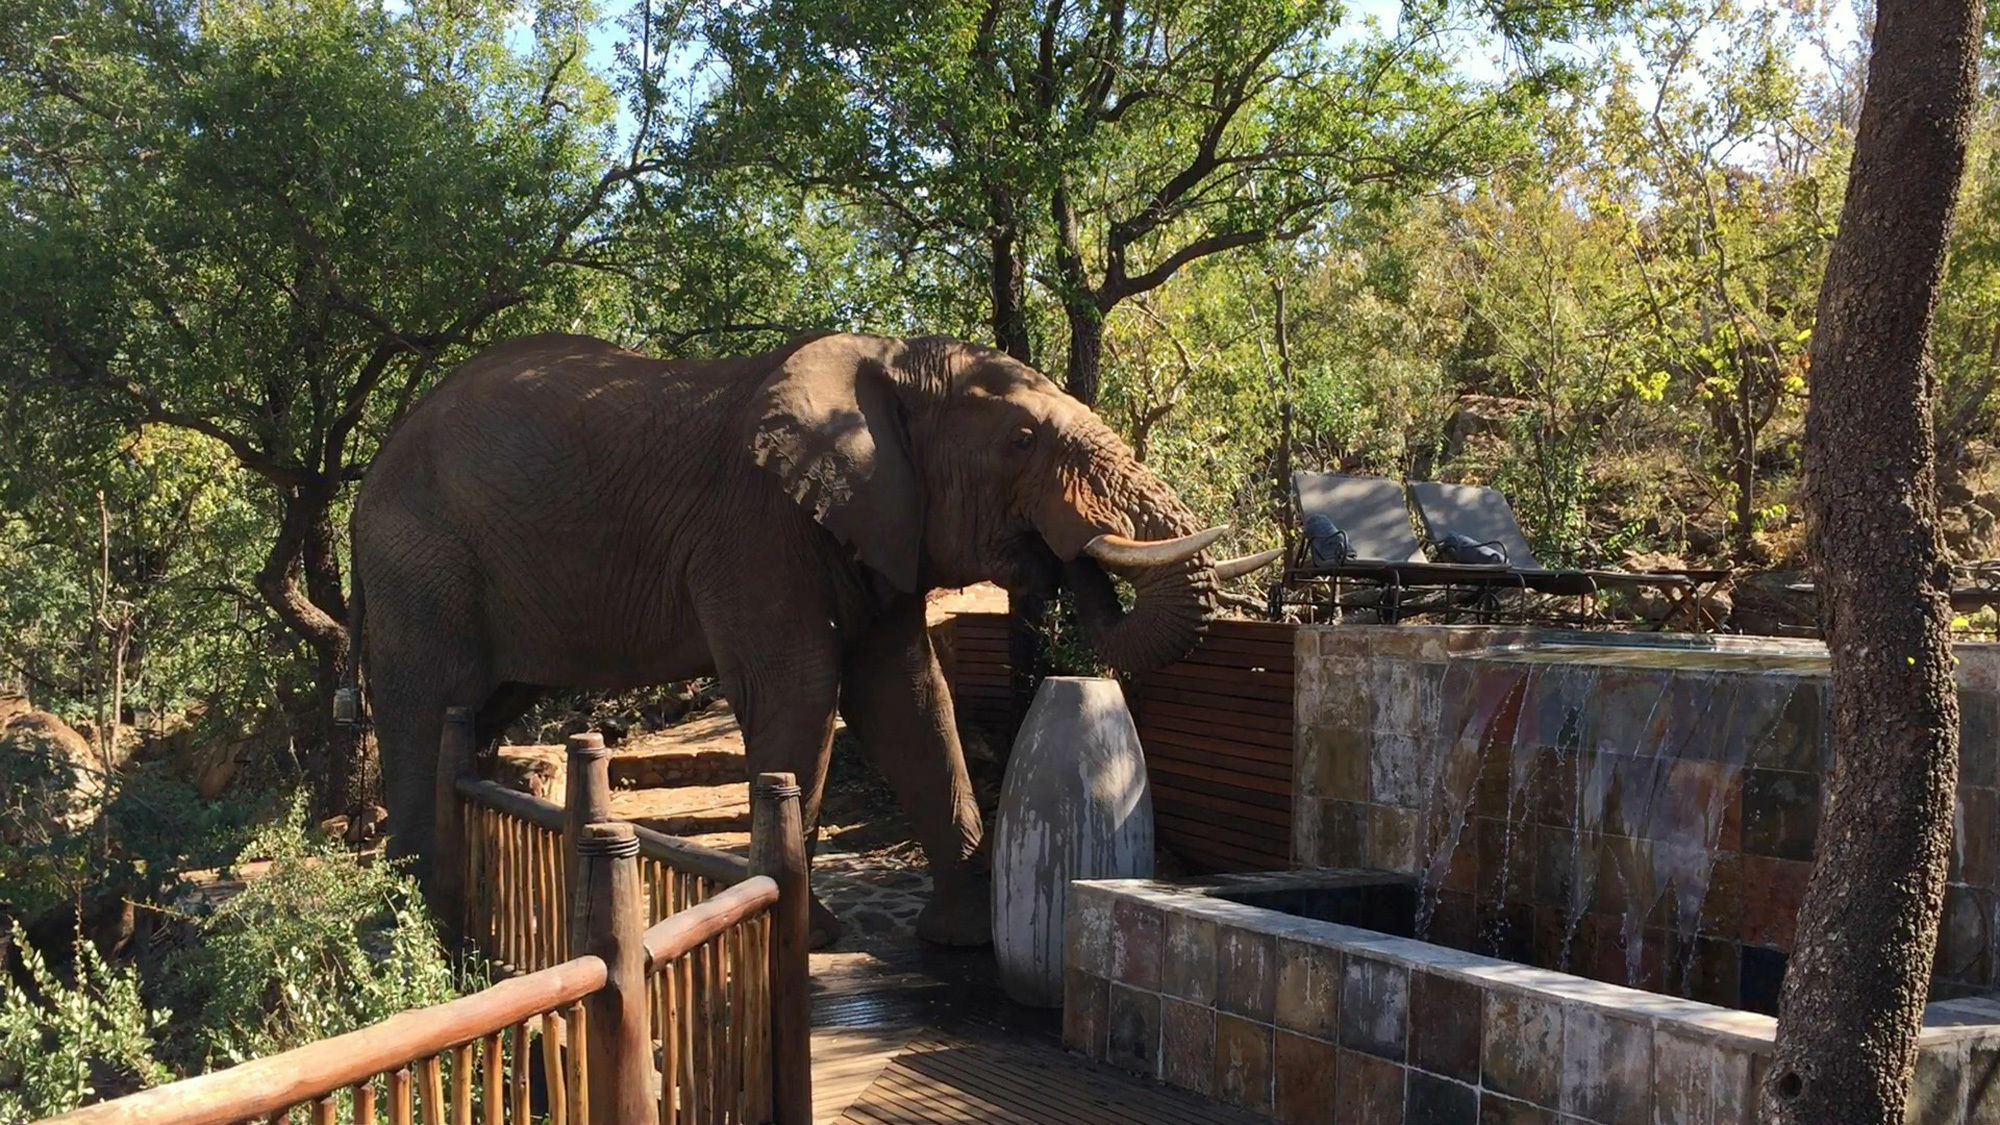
(1543, 870)
(1638, 813)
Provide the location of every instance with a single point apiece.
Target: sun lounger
(1483, 515)
(1381, 548)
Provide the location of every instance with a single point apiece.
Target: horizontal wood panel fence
(701, 1018)
(1217, 729)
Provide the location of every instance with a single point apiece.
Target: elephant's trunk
(1171, 607)
(1173, 602)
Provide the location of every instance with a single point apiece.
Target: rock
(538, 771)
(12, 703)
(55, 784)
(1075, 805)
(1774, 602)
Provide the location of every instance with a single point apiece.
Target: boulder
(1774, 602)
(55, 784)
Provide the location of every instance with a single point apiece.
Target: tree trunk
(1746, 466)
(1086, 349)
(1010, 318)
(1853, 997)
(1282, 494)
(318, 614)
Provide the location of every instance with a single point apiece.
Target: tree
(270, 222)
(1853, 997)
(1099, 148)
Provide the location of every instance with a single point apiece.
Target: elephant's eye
(1024, 438)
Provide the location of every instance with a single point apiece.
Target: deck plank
(949, 1079)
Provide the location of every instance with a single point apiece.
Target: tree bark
(1083, 374)
(1853, 997)
(1009, 293)
(318, 614)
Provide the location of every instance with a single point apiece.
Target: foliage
(270, 223)
(63, 1043)
(145, 830)
(319, 942)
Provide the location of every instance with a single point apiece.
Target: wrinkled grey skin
(561, 512)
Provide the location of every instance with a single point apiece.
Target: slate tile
(1340, 768)
(1978, 737)
(1965, 937)
(1246, 973)
(1446, 1021)
(1431, 1100)
(1698, 1081)
(1343, 834)
(1243, 1063)
(1135, 944)
(1187, 1045)
(1368, 1090)
(1084, 1001)
(1188, 968)
(1763, 977)
(1497, 1109)
(1780, 813)
(1975, 845)
(1132, 1031)
(1937, 1092)
(1607, 1068)
(1392, 838)
(1375, 1007)
(1772, 892)
(1522, 1050)
(1304, 1074)
(1308, 989)
(1982, 1083)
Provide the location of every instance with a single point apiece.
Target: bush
(319, 943)
(64, 1043)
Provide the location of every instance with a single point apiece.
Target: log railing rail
(700, 1018)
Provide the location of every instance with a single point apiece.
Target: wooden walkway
(929, 1039)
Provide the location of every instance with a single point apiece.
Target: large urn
(1075, 805)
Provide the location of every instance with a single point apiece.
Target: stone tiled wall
(1308, 1021)
(1641, 816)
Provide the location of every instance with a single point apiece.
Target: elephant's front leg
(894, 697)
(785, 707)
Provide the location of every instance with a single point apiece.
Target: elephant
(561, 512)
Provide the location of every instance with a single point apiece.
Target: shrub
(63, 1043)
(319, 943)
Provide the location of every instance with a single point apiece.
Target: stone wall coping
(1978, 662)
(1975, 1018)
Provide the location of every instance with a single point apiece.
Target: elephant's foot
(824, 928)
(959, 914)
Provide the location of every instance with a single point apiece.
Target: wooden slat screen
(972, 647)
(1216, 727)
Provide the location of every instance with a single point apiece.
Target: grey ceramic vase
(1075, 805)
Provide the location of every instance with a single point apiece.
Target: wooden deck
(1016, 1082)
(928, 1039)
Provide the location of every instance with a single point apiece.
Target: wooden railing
(702, 1018)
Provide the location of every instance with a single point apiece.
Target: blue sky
(1477, 59)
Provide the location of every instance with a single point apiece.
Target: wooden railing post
(586, 801)
(778, 849)
(611, 924)
(447, 850)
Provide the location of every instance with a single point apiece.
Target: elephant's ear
(829, 425)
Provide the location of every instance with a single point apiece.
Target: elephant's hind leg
(424, 653)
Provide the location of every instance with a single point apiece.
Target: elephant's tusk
(1237, 568)
(1118, 552)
